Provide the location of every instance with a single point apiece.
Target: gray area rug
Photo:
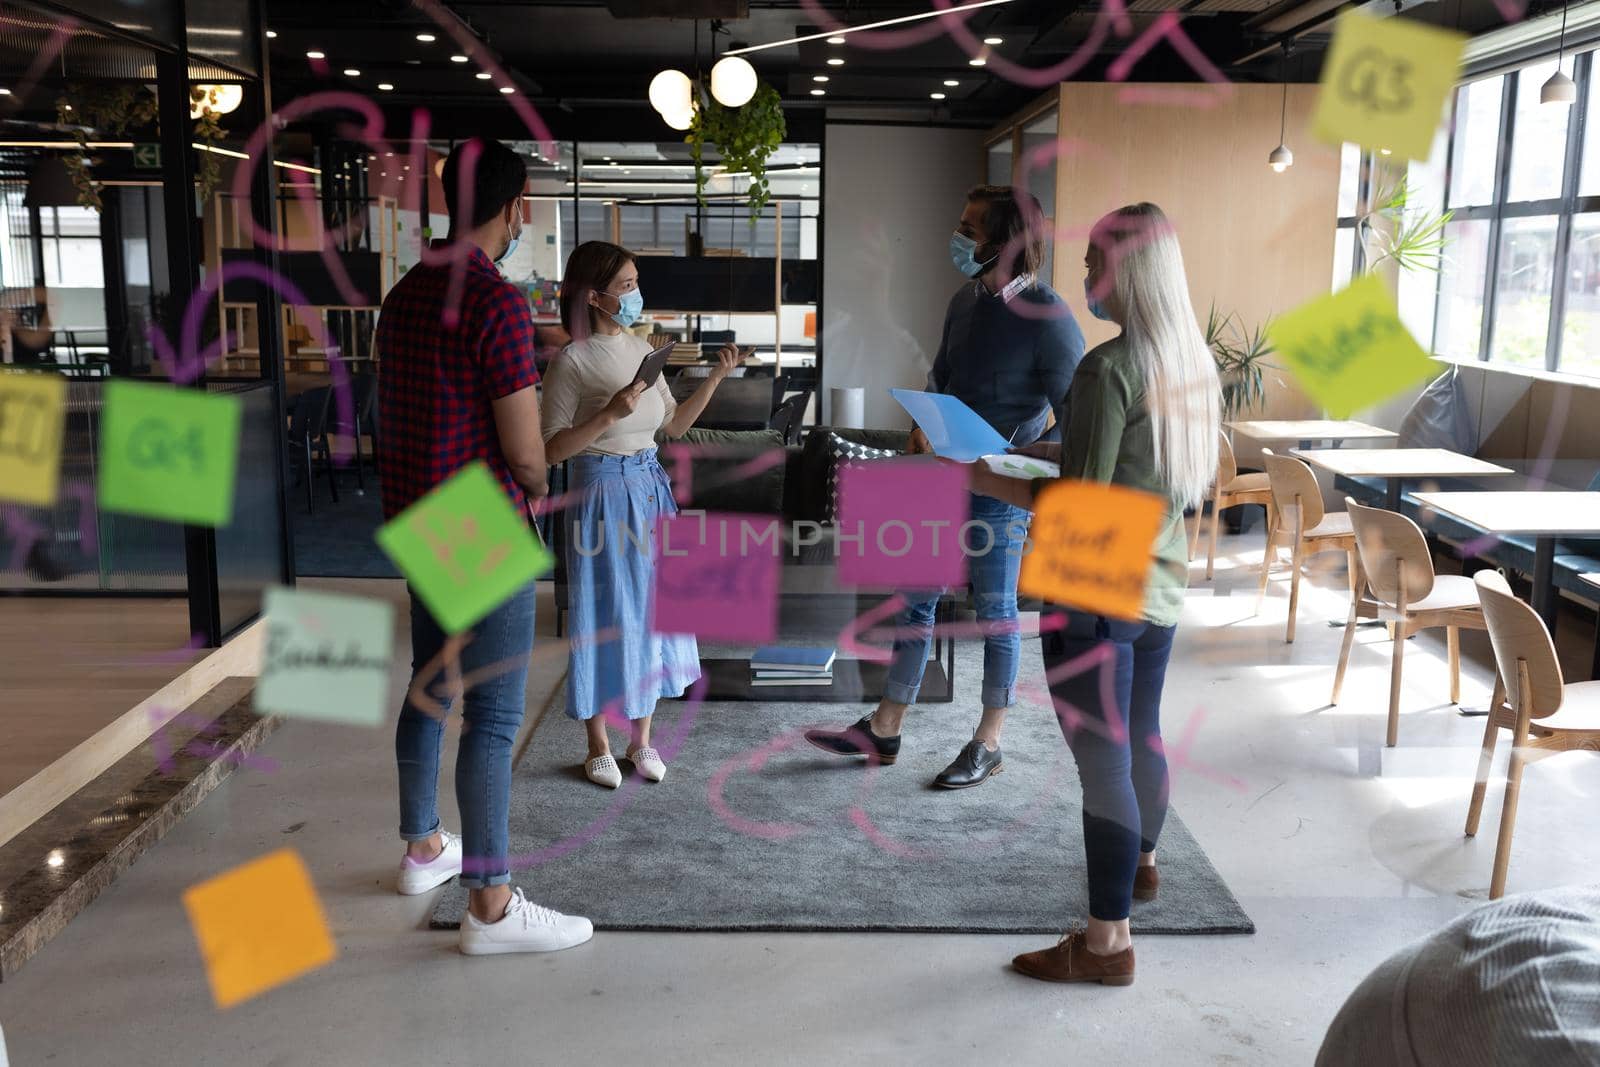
(754, 829)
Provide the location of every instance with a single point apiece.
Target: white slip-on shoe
(648, 762)
(603, 770)
(525, 927)
(418, 877)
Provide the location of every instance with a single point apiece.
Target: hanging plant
(209, 131)
(116, 110)
(745, 137)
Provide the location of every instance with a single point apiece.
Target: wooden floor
(71, 667)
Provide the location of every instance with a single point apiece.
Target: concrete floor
(1339, 849)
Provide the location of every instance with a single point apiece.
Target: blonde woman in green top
(1142, 412)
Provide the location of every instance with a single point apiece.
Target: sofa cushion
(809, 499)
(716, 481)
(845, 453)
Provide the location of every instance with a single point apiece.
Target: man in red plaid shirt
(457, 386)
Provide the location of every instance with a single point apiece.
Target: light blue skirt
(617, 663)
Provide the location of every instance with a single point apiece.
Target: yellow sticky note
(33, 408)
(1092, 547)
(259, 925)
(1384, 83)
(1350, 350)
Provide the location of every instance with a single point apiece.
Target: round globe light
(227, 98)
(671, 93)
(733, 81)
(679, 120)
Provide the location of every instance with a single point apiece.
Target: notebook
(792, 658)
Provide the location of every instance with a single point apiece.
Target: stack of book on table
(786, 665)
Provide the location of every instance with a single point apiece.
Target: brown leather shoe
(1145, 883)
(1071, 961)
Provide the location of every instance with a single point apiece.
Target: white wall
(891, 195)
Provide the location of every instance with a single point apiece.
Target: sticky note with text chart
(1349, 350)
(168, 453)
(1384, 83)
(464, 548)
(259, 925)
(33, 408)
(326, 657)
(1093, 545)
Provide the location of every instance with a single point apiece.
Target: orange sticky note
(1092, 547)
(259, 925)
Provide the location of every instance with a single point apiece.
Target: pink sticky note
(717, 576)
(900, 524)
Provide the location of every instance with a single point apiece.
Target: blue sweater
(1012, 368)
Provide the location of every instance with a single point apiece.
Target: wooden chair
(1543, 713)
(1231, 489)
(1296, 498)
(1394, 562)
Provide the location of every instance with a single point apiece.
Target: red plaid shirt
(436, 383)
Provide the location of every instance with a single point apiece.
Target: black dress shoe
(975, 764)
(857, 740)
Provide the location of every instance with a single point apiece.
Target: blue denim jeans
(491, 712)
(1118, 750)
(993, 574)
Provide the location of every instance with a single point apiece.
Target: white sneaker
(418, 877)
(525, 927)
(602, 770)
(648, 762)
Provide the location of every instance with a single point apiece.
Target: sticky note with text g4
(168, 453)
(1350, 350)
(326, 657)
(259, 925)
(1092, 547)
(464, 548)
(1384, 83)
(33, 408)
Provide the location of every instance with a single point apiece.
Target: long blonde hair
(1182, 390)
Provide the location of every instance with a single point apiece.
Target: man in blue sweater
(1009, 350)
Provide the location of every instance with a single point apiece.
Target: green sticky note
(1350, 350)
(168, 453)
(1384, 83)
(326, 657)
(464, 548)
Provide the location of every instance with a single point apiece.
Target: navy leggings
(1118, 749)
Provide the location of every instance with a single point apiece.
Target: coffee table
(1305, 431)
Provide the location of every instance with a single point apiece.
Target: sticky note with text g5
(1092, 547)
(1350, 350)
(168, 453)
(326, 657)
(1384, 83)
(464, 548)
(259, 925)
(33, 408)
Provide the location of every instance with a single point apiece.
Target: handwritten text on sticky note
(716, 576)
(1350, 350)
(32, 416)
(168, 453)
(464, 548)
(259, 925)
(1092, 547)
(1384, 83)
(899, 524)
(326, 657)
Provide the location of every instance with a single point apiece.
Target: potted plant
(1241, 355)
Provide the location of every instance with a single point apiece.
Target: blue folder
(954, 430)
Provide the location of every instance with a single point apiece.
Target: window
(1477, 142)
(1458, 325)
(71, 237)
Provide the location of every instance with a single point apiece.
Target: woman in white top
(593, 413)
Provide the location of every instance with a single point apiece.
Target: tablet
(650, 367)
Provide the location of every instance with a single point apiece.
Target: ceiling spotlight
(5, 92)
(508, 88)
(458, 59)
(385, 87)
(994, 40)
(835, 62)
(819, 77)
(836, 40)
(951, 83)
(1383, 151)
(936, 96)
(606, 158)
(351, 72)
(819, 92)
(977, 61)
(426, 38)
(272, 34)
(482, 75)
(315, 55)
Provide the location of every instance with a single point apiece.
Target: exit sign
(147, 156)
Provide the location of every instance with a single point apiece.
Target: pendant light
(733, 81)
(1559, 89)
(1281, 158)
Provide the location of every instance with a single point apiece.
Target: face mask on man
(511, 244)
(964, 254)
(1097, 309)
(630, 306)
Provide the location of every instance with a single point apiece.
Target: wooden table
(1397, 464)
(1305, 431)
(1545, 514)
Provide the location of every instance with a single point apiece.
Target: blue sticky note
(954, 430)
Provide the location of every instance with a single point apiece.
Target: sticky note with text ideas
(259, 925)
(168, 453)
(464, 548)
(1092, 547)
(33, 407)
(326, 657)
(716, 576)
(900, 521)
(1350, 350)
(1384, 83)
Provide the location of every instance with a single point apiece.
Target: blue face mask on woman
(1096, 308)
(964, 254)
(630, 306)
